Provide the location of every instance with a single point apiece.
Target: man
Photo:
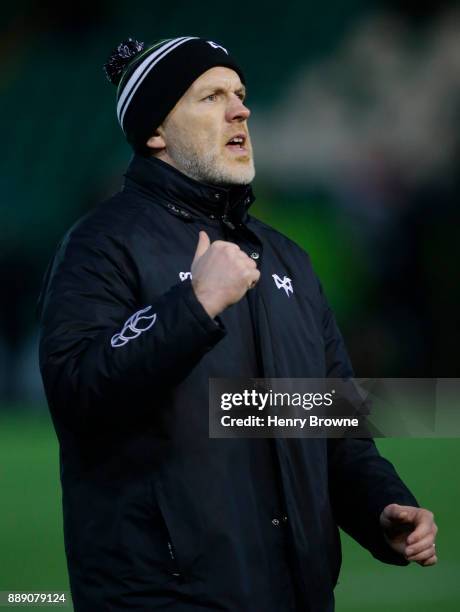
(163, 286)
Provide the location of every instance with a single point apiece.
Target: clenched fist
(221, 274)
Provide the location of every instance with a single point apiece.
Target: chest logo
(185, 275)
(283, 283)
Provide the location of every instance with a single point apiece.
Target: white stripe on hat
(138, 73)
(142, 71)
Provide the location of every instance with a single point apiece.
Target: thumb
(203, 245)
(397, 513)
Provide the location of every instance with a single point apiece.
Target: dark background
(355, 122)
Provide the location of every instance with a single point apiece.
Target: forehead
(218, 76)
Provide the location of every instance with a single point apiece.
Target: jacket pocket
(171, 551)
(175, 568)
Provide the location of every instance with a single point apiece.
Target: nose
(237, 111)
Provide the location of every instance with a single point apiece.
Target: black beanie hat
(151, 80)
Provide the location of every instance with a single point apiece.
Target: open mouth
(237, 143)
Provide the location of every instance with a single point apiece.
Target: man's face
(198, 133)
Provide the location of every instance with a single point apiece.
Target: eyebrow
(220, 89)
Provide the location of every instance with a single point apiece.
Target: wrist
(208, 301)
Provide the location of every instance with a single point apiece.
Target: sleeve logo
(136, 324)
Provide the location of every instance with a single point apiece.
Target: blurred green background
(356, 130)
(32, 552)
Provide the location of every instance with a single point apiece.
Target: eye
(241, 96)
(211, 97)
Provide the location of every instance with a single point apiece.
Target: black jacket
(158, 516)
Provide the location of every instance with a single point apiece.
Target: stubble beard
(207, 164)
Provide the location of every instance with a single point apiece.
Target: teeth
(237, 140)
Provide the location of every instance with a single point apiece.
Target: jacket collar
(167, 185)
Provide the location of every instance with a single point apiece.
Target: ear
(156, 142)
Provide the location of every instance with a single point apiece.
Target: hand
(221, 274)
(411, 532)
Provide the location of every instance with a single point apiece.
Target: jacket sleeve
(103, 353)
(361, 481)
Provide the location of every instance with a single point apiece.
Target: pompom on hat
(152, 79)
